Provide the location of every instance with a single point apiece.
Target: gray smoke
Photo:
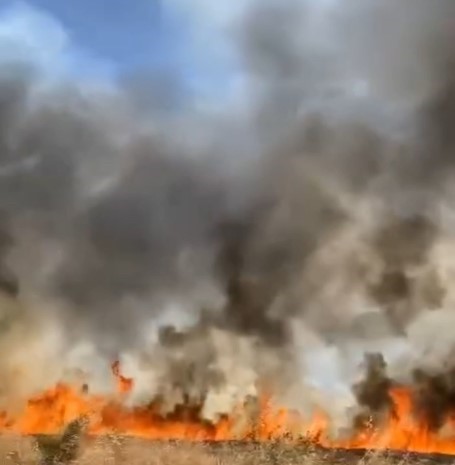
(329, 213)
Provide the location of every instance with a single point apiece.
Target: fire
(50, 411)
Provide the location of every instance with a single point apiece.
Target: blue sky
(107, 38)
(127, 32)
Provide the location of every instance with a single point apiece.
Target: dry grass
(71, 448)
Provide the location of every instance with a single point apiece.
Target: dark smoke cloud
(403, 245)
(129, 214)
(432, 394)
(434, 397)
(373, 394)
(108, 211)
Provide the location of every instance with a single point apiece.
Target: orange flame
(50, 411)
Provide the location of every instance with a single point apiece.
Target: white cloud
(33, 35)
(213, 44)
(212, 21)
(207, 15)
(28, 33)
(210, 24)
(214, 73)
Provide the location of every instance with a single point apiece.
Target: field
(117, 450)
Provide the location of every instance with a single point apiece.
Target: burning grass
(80, 414)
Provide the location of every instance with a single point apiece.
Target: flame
(51, 410)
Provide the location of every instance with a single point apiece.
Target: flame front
(50, 411)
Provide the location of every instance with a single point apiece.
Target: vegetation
(72, 447)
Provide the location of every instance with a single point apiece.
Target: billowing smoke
(203, 254)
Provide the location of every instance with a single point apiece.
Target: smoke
(329, 210)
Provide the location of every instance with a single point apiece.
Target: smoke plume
(322, 226)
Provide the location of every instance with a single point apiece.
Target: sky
(108, 39)
(189, 45)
